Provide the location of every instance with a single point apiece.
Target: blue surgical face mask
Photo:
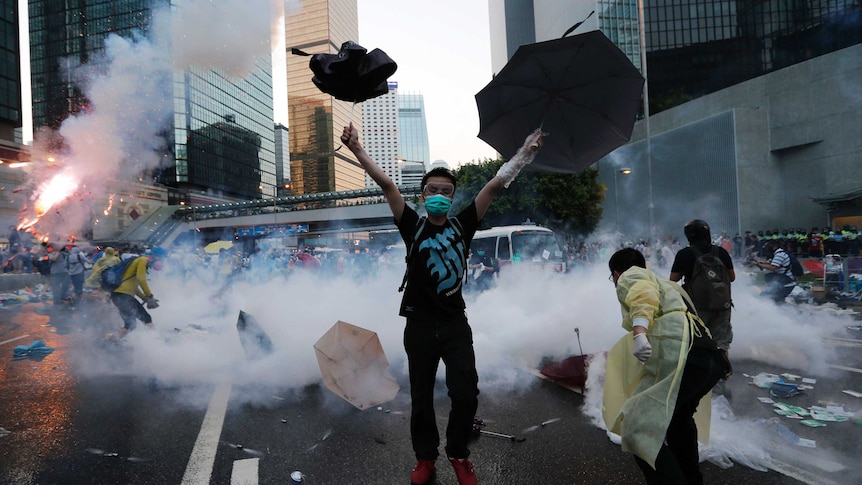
(480, 252)
(438, 205)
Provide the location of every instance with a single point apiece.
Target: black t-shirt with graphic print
(437, 265)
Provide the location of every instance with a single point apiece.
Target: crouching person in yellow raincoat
(658, 373)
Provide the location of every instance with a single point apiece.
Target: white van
(530, 245)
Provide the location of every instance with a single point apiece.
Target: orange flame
(50, 194)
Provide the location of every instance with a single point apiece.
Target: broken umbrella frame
(479, 423)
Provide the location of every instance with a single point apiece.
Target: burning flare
(50, 194)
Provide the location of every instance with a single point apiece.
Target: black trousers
(131, 310)
(678, 460)
(778, 286)
(427, 343)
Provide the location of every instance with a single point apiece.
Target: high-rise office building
(10, 69)
(413, 137)
(282, 159)
(411, 172)
(220, 138)
(318, 161)
(10, 116)
(696, 48)
(693, 47)
(380, 120)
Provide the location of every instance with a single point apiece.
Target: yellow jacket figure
(134, 284)
(107, 260)
(658, 373)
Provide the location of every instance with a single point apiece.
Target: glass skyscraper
(318, 161)
(693, 47)
(10, 78)
(221, 138)
(699, 47)
(413, 137)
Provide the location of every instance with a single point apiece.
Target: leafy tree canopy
(566, 203)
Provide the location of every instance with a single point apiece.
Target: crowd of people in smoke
(816, 243)
(24, 255)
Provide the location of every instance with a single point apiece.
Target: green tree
(566, 203)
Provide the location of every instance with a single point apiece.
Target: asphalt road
(67, 427)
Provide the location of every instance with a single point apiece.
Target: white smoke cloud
(529, 316)
(120, 133)
(228, 35)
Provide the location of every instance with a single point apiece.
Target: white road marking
(800, 474)
(244, 472)
(200, 467)
(14, 339)
(843, 342)
(844, 367)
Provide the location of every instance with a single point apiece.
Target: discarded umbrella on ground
(479, 423)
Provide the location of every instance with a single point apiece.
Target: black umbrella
(581, 90)
(353, 74)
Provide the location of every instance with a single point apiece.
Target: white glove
(524, 157)
(641, 347)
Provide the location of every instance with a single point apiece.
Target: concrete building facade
(753, 156)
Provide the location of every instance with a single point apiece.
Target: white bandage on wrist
(524, 157)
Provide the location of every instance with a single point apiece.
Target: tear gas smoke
(119, 134)
(227, 35)
(529, 316)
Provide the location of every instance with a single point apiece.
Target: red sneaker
(464, 471)
(423, 472)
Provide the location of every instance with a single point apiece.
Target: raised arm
(350, 137)
(508, 172)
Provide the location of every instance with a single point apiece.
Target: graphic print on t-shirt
(446, 259)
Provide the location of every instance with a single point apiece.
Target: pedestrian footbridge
(322, 213)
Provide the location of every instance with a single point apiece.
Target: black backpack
(709, 287)
(796, 268)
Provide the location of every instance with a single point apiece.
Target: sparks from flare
(49, 195)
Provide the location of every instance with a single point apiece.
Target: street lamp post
(642, 42)
(624, 171)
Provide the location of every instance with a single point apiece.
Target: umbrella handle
(572, 28)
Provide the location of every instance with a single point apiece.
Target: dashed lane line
(844, 367)
(200, 467)
(245, 472)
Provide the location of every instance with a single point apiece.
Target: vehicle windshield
(535, 246)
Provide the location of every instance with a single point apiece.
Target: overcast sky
(443, 52)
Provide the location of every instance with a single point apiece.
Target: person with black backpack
(433, 303)
(707, 272)
(780, 280)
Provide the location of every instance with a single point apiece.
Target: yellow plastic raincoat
(639, 400)
(106, 261)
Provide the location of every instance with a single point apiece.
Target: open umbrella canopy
(354, 366)
(216, 246)
(581, 90)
